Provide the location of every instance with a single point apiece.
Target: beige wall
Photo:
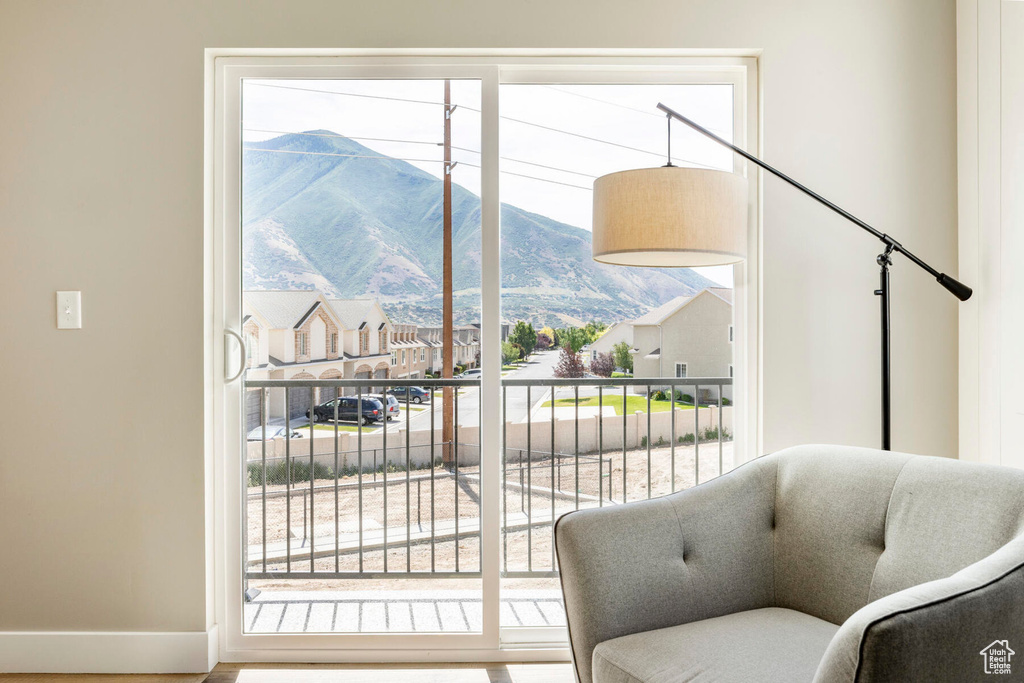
(101, 189)
(698, 335)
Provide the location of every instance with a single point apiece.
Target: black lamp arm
(958, 289)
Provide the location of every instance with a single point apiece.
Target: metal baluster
(384, 487)
(649, 442)
(312, 479)
(577, 445)
(455, 460)
(600, 446)
(288, 479)
(433, 396)
(337, 508)
(480, 462)
(672, 448)
(263, 475)
(529, 481)
(625, 416)
(408, 472)
(721, 399)
(552, 477)
(359, 441)
(696, 435)
(504, 478)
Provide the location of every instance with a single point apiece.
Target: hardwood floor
(334, 673)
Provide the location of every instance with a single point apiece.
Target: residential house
(299, 334)
(686, 337)
(465, 346)
(410, 354)
(615, 334)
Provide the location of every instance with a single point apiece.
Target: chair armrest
(692, 555)
(934, 631)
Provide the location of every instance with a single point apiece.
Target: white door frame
(991, 411)
(224, 69)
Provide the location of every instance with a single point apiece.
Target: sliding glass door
(431, 368)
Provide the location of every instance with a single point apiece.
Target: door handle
(228, 333)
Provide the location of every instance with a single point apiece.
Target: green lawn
(633, 403)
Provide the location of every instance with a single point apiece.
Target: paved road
(540, 365)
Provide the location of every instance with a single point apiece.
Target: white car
(469, 374)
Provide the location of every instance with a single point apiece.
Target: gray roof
(351, 312)
(281, 308)
(655, 316)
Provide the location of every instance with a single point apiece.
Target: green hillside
(355, 226)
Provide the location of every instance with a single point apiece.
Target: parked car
(273, 432)
(348, 410)
(415, 394)
(391, 401)
(469, 374)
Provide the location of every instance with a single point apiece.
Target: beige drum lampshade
(670, 217)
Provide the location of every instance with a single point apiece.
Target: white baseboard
(108, 652)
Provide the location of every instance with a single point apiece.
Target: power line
(355, 94)
(344, 137)
(436, 161)
(606, 142)
(416, 142)
(507, 118)
(623, 106)
(530, 163)
(351, 156)
(545, 180)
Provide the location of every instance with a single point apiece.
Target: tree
(549, 332)
(509, 352)
(623, 358)
(594, 329)
(543, 341)
(570, 364)
(524, 335)
(575, 338)
(602, 365)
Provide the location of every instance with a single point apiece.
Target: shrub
(602, 365)
(277, 472)
(570, 364)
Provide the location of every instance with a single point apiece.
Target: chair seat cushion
(770, 645)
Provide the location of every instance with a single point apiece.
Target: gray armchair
(819, 563)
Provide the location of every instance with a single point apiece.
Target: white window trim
(686, 370)
(224, 69)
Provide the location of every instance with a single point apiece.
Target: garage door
(380, 374)
(298, 402)
(328, 394)
(252, 409)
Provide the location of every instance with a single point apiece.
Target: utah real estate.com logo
(997, 657)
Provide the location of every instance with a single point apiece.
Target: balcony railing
(347, 501)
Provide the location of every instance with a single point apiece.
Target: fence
(402, 502)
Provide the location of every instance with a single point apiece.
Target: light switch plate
(69, 310)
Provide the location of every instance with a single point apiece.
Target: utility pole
(448, 345)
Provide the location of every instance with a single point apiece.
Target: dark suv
(348, 407)
(416, 394)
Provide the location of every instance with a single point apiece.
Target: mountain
(349, 223)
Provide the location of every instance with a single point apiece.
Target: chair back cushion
(853, 525)
(943, 516)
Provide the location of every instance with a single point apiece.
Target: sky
(554, 139)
